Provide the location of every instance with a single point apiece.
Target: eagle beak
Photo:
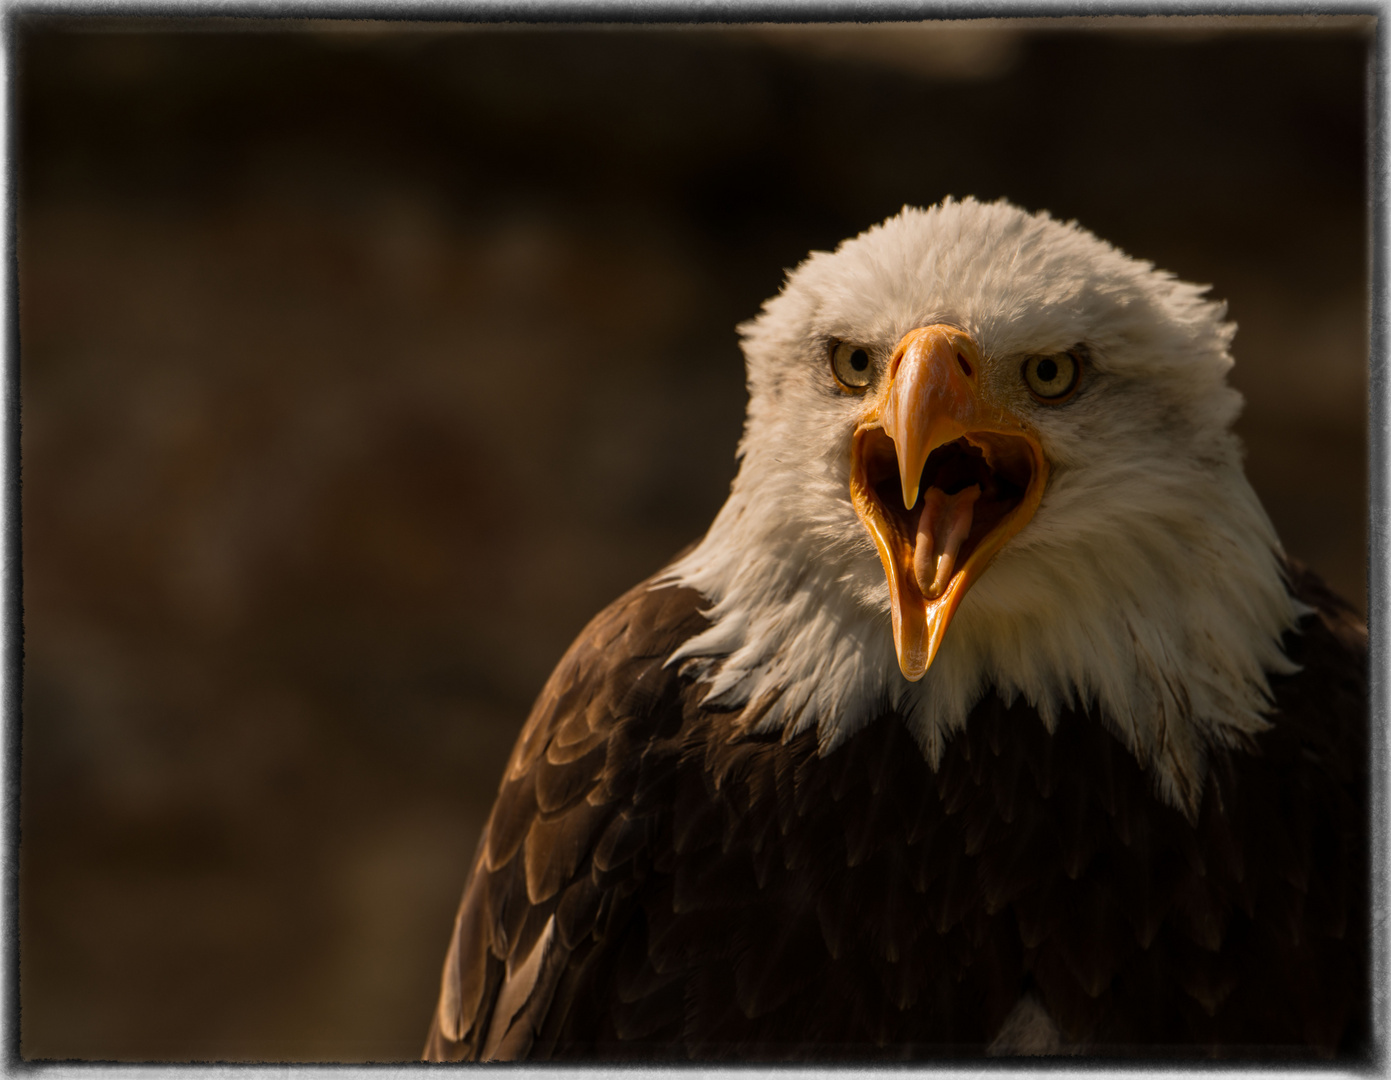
(941, 476)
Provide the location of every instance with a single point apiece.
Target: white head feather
(1148, 584)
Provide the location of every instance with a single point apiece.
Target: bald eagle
(988, 717)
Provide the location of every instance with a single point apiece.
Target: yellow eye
(851, 365)
(1052, 378)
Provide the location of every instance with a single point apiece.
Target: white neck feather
(1166, 626)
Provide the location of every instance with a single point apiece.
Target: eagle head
(986, 451)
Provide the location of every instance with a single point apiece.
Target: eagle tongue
(943, 525)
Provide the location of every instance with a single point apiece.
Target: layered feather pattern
(687, 889)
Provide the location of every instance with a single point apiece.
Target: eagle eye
(851, 365)
(1052, 379)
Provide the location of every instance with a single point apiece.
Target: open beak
(941, 477)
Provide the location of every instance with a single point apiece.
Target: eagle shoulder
(1245, 931)
(557, 862)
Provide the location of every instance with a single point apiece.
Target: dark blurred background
(362, 363)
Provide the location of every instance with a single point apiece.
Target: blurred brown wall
(362, 363)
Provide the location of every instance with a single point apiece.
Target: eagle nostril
(965, 367)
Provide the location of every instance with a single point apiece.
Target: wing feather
(558, 853)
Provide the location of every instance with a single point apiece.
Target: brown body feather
(654, 885)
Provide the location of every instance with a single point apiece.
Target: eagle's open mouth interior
(948, 517)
